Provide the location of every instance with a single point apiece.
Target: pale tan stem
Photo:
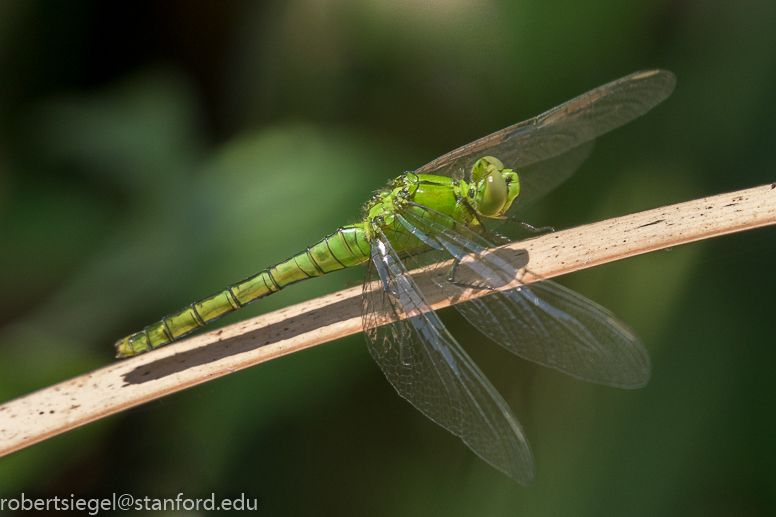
(124, 384)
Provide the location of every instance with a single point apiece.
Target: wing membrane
(556, 327)
(429, 368)
(560, 130)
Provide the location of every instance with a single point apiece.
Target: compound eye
(493, 195)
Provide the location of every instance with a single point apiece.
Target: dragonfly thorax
(490, 193)
(382, 208)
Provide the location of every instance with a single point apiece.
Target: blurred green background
(152, 152)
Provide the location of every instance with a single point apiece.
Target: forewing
(560, 130)
(429, 368)
(543, 322)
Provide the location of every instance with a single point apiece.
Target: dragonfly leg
(498, 238)
(529, 227)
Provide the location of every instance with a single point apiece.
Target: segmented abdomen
(347, 247)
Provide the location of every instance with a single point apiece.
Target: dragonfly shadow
(502, 267)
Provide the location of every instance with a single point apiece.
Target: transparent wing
(542, 177)
(542, 322)
(430, 369)
(558, 131)
(556, 327)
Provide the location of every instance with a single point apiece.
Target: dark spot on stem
(653, 222)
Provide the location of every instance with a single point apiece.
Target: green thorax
(443, 195)
(489, 195)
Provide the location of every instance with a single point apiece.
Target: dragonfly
(441, 217)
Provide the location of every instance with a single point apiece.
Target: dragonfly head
(493, 187)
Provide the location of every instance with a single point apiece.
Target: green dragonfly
(441, 212)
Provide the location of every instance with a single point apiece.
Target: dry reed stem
(124, 384)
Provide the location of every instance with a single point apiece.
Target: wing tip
(665, 76)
